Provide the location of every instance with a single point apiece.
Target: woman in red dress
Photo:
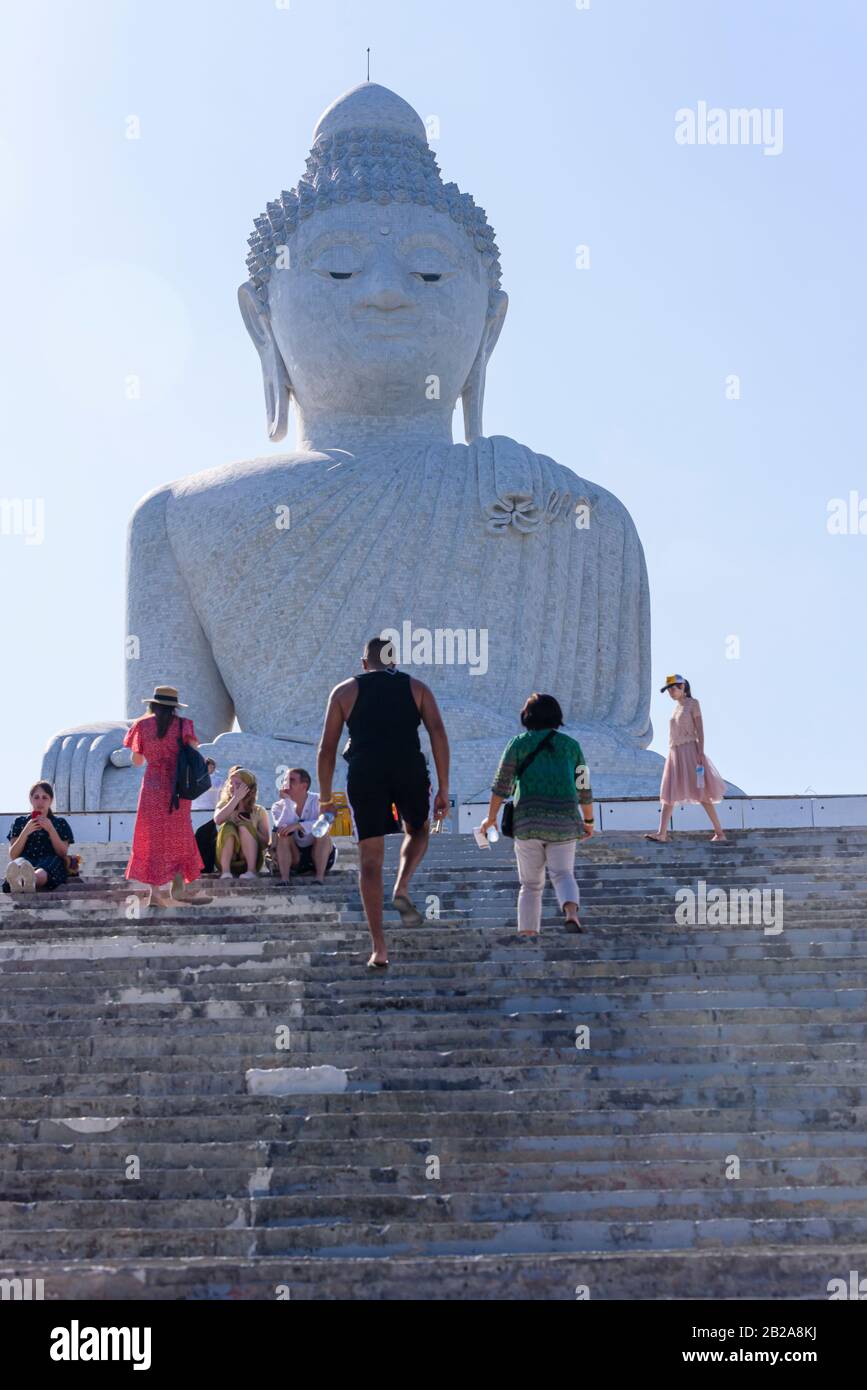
(164, 850)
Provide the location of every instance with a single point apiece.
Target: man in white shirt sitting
(294, 816)
(206, 835)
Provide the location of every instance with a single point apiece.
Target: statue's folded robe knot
(517, 487)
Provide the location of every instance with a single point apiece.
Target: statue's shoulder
(226, 487)
(565, 480)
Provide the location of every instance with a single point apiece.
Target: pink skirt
(679, 782)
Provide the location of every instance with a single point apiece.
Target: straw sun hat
(164, 695)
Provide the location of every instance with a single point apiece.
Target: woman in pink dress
(164, 850)
(688, 775)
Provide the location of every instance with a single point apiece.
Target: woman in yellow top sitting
(243, 827)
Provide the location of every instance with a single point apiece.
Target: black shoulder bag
(192, 778)
(507, 824)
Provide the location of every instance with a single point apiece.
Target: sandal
(409, 913)
(21, 876)
(374, 964)
(179, 893)
(162, 900)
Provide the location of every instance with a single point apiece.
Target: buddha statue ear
(473, 394)
(278, 387)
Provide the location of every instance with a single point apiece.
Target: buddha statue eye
(337, 262)
(430, 278)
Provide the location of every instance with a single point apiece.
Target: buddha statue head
(374, 287)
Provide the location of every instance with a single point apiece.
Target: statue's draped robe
(291, 564)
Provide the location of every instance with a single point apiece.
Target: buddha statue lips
(374, 301)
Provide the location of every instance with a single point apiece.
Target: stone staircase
(476, 1152)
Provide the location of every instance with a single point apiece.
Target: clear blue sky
(122, 257)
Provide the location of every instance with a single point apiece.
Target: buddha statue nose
(384, 288)
(387, 296)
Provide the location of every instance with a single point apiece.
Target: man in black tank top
(383, 710)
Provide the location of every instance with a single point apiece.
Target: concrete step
(449, 1064)
(761, 1083)
(341, 1214)
(120, 960)
(737, 1273)
(420, 1237)
(238, 1055)
(482, 908)
(743, 1025)
(139, 1120)
(160, 1183)
(82, 1153)
(292, 1002)
(324, 975)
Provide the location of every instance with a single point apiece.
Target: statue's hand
(75, 761)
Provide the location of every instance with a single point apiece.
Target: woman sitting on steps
(243, 827)
(38, 846)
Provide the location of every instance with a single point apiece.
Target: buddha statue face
(379, 301)
(381, 310)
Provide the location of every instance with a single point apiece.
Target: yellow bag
(342, 815)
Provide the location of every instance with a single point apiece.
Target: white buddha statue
(374, 303)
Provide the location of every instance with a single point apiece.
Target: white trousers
(532, 857)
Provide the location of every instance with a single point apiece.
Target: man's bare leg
(412, 852)
(321, 851)
(371, 854)
(284, 856)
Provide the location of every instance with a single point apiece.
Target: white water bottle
(493, 835)
(699, 777)
(321, 828)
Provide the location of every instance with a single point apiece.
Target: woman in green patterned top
(553, 806)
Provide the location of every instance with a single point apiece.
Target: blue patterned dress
(39, 851)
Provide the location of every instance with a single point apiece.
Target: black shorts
(373, 787)
(305, 863)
